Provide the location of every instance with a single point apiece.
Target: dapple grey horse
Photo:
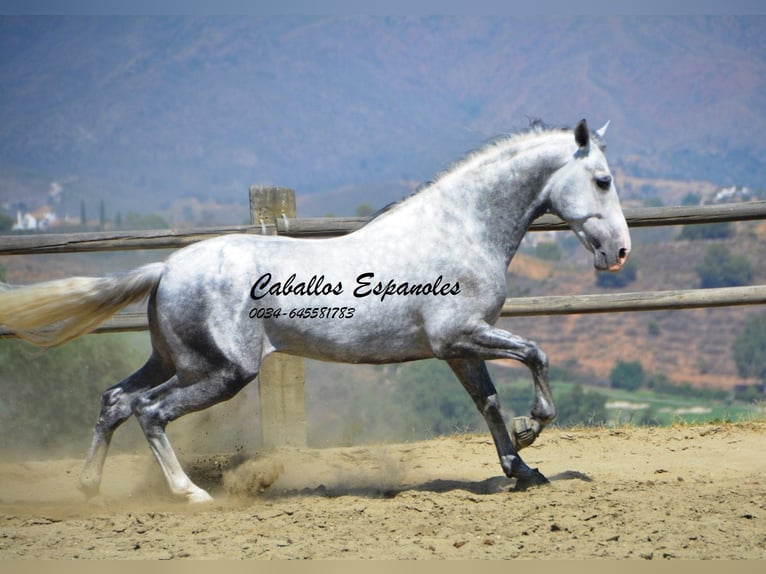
(424, 278)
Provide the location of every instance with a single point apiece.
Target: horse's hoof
(524, 432)
(533, 478)
(89, 489)
(199, 496)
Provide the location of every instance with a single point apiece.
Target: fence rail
(513, 307)
(552, 305)
(335, 226)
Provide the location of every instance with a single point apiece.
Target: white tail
(55, 312)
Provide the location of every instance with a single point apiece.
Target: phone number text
(302, 313)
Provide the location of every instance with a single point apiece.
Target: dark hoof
(525, 431)
(533, 478)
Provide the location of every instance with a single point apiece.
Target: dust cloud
(252, 477)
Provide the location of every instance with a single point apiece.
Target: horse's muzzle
(622, 258)
(603, 260)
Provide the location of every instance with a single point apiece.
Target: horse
(424, 278)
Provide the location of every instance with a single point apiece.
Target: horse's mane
(536, 127)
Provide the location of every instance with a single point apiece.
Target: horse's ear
(581, 133)
(601, 132)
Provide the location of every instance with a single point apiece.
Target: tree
(610, 280)
(691, 198)
(627, 375)
(548, 250)
(578, 407)
(50, 398)
(750, 348)
(720, 268)
(433, 401)
(135, 220)
(6, 222)
(721, 230)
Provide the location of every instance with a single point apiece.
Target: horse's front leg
(486, 342)
(475, 378)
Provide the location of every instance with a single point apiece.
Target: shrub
(6, 222)
(720, 268)
(578, 407)
(722, 230)
(619, 279)
(432, 400)
(750, 348)
(627, 375)
(51, 397)
(135, 221)
(548, 250)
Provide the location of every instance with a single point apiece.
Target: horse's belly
(355, 339)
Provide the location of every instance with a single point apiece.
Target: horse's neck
(490, 199)
(502, 195)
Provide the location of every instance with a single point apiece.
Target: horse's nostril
(623, 253)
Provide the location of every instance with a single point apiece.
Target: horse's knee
(115, 408)
(544, 409)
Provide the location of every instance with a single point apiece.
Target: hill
(686, 346)
(144, 112)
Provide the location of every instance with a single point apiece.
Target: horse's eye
(604, 182)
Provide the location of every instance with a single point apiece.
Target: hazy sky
(474, 7)
(149, 107)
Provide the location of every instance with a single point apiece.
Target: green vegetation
(720, 268)
(421, 400)
(750, 348)
(6, 222)
(579, 407)
(50, 398)
(432, 400)
(627, 375)
(135, 221)
(704, 231)
(624, 277)
(548, 250)
(660, 384)
(691, 198)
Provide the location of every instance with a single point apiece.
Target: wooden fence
(273, 213)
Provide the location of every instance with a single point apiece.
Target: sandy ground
(636, 493)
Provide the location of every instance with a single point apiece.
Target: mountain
(146, 111)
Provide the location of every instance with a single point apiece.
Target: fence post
(281, 382)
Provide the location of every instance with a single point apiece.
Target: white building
(39, 221)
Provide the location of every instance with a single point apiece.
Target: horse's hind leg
(115, 409)
(155, 408)
(475, 378)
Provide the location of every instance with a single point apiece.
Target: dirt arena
(636, 493)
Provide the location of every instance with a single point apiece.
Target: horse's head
(583, 194)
